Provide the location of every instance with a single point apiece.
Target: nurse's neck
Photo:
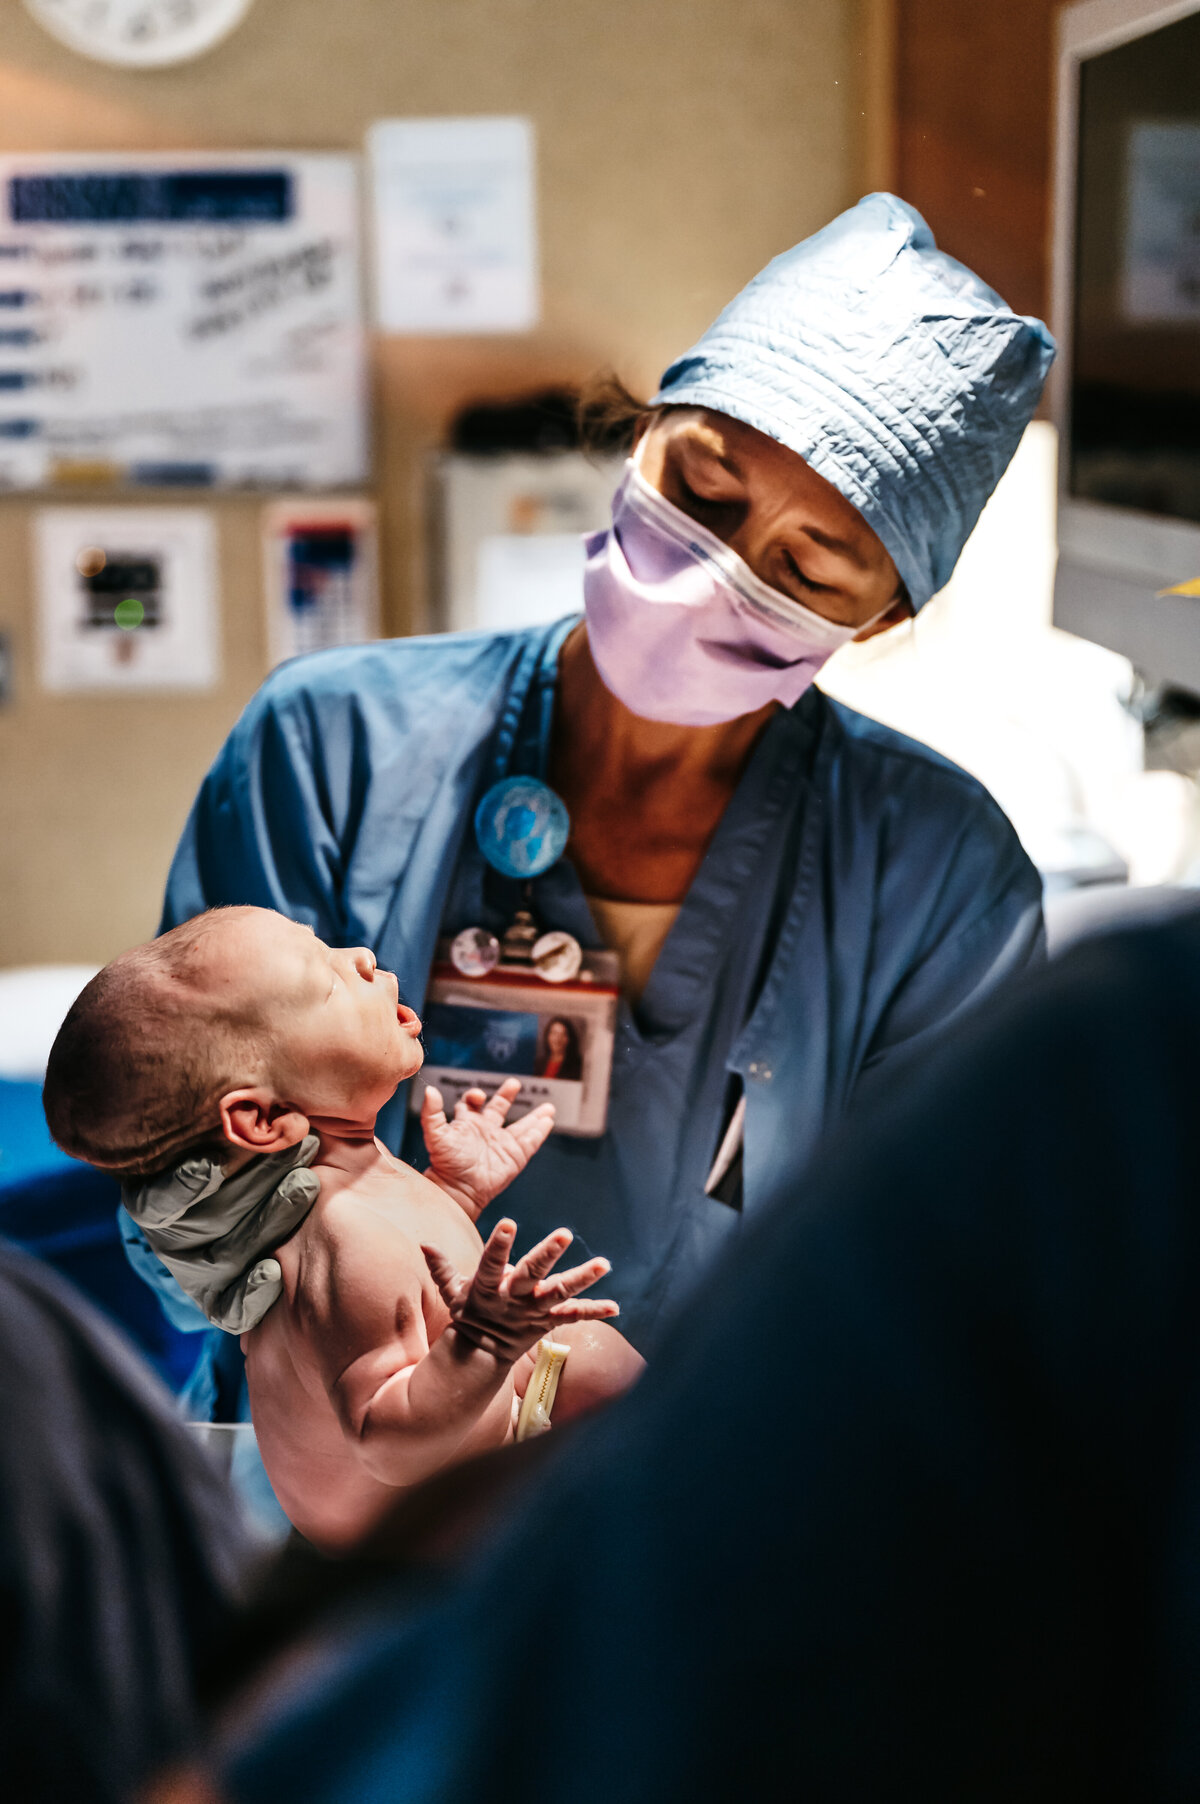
(645, 797)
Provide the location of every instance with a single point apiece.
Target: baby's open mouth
(409, 1018)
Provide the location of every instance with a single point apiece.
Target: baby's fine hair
(139, 1066)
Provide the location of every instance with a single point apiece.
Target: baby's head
(232, 1031)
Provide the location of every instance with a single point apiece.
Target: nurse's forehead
(726, 437)
(754, 457)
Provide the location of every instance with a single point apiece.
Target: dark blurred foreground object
(434, 1529)
(65, 1212)
(68, 1217)
(121, 1553)
(909, 1505)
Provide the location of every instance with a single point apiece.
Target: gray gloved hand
(215, 1234)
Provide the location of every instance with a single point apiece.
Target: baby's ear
(257, 1121)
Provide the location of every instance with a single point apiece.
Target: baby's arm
(409, 1408)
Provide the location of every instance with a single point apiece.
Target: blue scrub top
(858, 894)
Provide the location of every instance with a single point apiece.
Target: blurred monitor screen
(1135, 375)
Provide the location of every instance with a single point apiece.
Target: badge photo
(556, 1036)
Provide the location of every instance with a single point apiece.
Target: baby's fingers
(444, 1275)
(585, 1309)
(538, 1261)
(504, 1098)
(534, 1128)
(493, 1261)
(469, 1103)
(433, 1111)
(569, 1284)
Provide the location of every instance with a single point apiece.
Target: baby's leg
(602, 1365)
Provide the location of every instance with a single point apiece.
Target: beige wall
(681, 144)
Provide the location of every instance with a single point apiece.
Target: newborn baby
(391, 1340)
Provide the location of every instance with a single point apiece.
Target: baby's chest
(360, 1257)
(427, 1217)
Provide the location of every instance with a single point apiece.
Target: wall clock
(139, 34)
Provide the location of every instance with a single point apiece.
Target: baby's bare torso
(356, 1289)
(353, 1272)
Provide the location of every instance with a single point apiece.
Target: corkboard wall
(972, 122)
(681, 144)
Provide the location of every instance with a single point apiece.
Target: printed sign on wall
(180, 321)
(126, 598)
(321, 575)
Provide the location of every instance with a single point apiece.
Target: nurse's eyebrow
(830, 542)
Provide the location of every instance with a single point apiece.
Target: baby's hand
(505, 1309)
(475, 1156)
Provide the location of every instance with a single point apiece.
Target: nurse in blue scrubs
(802, 898)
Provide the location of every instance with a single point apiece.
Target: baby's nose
(364, 961)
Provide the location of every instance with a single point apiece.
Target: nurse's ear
(901, 609)
(257, 1122)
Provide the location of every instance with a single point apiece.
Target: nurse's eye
(797, 577)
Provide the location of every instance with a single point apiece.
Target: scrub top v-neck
(637, 1193)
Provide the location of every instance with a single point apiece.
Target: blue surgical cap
(895, 373)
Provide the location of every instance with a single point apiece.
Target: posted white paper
(512, 535)
(528, 579)
(455, 237)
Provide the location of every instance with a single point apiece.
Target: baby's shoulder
(358, 1222)
(356, 1254)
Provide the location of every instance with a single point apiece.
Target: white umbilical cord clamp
(538, 1400)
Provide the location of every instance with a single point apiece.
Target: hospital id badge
(558, 1039)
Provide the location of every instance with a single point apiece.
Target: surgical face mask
(679, 626)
